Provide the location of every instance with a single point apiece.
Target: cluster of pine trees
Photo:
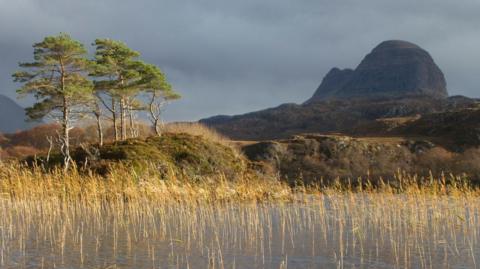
(114, 84)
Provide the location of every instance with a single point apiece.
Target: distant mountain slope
(455, 130)
(12, 116)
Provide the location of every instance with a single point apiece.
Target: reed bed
(130, 220)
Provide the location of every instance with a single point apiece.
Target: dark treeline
(113, 84)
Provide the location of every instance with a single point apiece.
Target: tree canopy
(56, 78)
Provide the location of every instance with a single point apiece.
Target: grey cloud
(228, 57)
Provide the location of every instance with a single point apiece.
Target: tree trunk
(98, 115)
(114, 119)
(66, 134)
(132, 125)
(156, 127)
(65, 120)
(99, 129)
(153, 114)
(123, 126)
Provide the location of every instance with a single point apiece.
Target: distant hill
(397, 79)
(12, 116)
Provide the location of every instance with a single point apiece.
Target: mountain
(393, 69)
(12, 116)
(397, 79)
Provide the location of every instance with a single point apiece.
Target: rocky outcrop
(321, 159)
(393, 69)
(311, 158)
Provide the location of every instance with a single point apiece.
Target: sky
(232, 57)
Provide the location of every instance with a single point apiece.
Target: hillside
(330, 116)
(456, 130)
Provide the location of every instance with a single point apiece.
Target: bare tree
(160, 93)
(155, 108)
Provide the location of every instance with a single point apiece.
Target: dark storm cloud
(228, 57)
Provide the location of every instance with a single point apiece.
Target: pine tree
(57, 79)
(118, 75)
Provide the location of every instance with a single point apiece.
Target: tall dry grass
(132, 220)
(21, 182)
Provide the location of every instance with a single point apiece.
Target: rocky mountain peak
(392, 69)
(396, 44)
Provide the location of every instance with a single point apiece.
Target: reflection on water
(328, 231)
